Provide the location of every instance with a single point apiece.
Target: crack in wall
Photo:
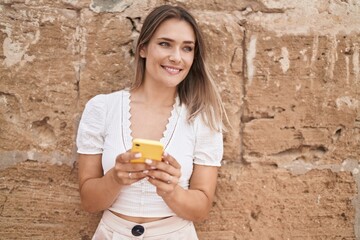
(244, 93)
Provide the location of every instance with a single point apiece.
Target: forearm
(190, 204)
(98, 194)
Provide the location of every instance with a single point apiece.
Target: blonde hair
(197, 91)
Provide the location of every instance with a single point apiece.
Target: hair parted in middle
(197, 91)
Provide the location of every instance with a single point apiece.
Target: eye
(164, 44)
(188, 49)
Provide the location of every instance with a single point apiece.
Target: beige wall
(289, 73)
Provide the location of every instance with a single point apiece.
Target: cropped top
(104, 129)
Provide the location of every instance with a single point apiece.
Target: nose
(175, 56)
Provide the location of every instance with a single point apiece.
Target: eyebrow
(172, 40)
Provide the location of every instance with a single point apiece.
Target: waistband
(163, 226)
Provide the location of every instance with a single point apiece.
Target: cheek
(189, 60)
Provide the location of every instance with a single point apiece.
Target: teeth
(174, 70)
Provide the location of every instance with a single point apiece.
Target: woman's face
(169, 53)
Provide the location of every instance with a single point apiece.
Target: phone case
(149, 149)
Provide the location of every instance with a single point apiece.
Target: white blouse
(105, 129)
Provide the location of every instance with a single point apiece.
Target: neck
(151, 95)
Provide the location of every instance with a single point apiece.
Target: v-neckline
(126, 121)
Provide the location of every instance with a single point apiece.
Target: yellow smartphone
(149, 149)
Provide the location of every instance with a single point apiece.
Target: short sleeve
(208, 145)
(90, 135)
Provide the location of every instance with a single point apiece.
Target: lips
(171, 70)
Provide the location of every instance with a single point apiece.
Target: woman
(173, 100)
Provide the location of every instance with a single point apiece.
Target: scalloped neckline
(126, 123)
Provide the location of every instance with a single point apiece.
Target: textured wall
(289, 73)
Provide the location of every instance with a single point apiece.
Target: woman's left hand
(164, 175)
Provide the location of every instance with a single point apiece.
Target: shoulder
(204, 133)
(201, 123)
(106, 99)
(208, 144)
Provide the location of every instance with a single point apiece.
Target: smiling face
(169, 54)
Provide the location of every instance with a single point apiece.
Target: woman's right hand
(125, 172)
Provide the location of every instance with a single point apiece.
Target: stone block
(38, 79)
(265, 202)
(41, 201)
(301, 93)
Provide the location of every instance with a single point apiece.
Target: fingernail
(145, 171)
(137, 155)
(165, 154)
(148, 161)
(152, 167)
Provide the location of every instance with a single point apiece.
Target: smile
(172, 70)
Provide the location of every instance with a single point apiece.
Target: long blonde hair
(197, 91)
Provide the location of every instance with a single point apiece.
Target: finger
(124, 178)
(161, 167)
(131, 167)
(162, 188)
(127, 156)
(167, 158)
(137, 175)
(163, 176)
(172, 180)
(127, 178)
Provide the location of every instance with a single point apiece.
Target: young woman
(173, 100)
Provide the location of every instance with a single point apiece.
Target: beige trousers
(112, 227)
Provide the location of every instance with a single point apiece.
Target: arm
(193, 204)
(98, 191)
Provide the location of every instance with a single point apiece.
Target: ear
(143, 51)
